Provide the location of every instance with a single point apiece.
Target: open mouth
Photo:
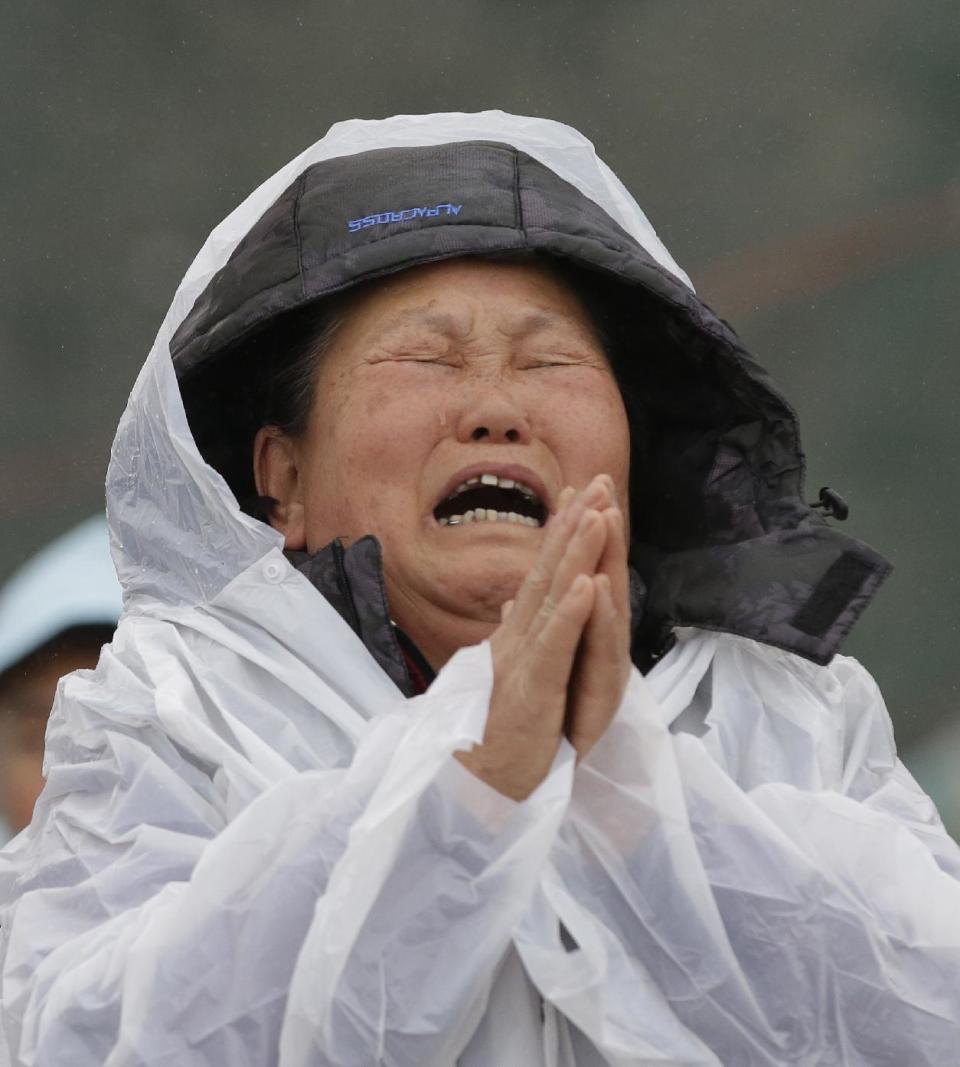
(490, 498)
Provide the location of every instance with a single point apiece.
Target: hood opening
(720, 530)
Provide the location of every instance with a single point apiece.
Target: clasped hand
(561, 655)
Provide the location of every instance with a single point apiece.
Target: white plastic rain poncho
(253, 850)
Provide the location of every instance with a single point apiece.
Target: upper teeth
(493, 479)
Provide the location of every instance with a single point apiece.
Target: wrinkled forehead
(519, 298)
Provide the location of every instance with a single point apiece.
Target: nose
(493, 414)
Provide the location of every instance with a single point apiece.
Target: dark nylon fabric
(722, 537)
(351, 579)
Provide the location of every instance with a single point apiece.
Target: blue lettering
(407, 214)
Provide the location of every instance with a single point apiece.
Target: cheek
(590, 426)
(388, 429)
(373, 452)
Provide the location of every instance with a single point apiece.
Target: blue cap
(71, 582)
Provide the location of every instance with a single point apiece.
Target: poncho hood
(721, 534)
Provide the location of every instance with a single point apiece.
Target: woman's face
(461, 370)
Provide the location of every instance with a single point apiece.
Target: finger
(613, 562)
(601, 645)
(582, 555)
(600, 493)
(555, 646)
(505, 608)
(603, 640)
(602, 670)
(566, 497)
(535, 587)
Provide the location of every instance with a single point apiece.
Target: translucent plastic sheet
(370, 913)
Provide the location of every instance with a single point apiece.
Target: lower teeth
(489, 515)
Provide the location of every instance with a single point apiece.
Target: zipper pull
(832, 504)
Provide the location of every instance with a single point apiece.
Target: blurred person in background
(476, 698)
(56, 613)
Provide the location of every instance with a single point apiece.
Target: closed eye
(420, 360)
(560, 361)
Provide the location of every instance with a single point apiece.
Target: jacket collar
(351, 580)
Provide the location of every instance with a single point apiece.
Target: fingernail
(588, 517)
(595, 493)
(580, 583)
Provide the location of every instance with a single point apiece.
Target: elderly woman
(475, 699)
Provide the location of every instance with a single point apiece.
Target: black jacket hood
(722, 536)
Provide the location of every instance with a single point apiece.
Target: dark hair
(266, 379)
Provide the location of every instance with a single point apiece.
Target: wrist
(508, 777)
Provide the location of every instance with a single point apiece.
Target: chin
(482, 579)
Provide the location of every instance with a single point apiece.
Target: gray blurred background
(800, 161)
